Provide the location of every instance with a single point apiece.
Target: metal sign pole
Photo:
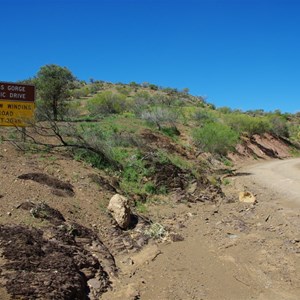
(23, 134)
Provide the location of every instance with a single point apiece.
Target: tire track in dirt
(282, 177)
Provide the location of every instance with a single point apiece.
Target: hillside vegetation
(130, 129)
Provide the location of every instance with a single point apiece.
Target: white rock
(120, 210)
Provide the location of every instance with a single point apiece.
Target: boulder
(120, 210)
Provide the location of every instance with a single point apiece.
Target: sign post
(16, 104)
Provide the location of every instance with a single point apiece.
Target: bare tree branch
(41, 134)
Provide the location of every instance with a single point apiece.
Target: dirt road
(282, 177)
(232, 250)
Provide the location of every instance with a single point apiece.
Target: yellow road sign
(16, 104)
(16, 113)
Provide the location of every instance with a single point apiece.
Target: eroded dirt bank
(54, 209)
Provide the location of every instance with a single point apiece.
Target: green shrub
(124, 90)
(279, 126)
(203, 116)
(245, 124)
(215, 138)
(141, 207)
(153, 87)
(89, 157)
(79, 93)
(226, 181)
(294, 132)
(95, 87)
(141, 101)
(180, 162)
(227, 162)
(134, 173)
(74, 110)
(225, 110)
(150, 188)
(93, 145)
(171, 131)
(161, 117)
(107, 103)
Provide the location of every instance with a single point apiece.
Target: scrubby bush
(203, 116)
(74, 110)
(161, 117)
(96, 87)
(225, 110)
(294, 132)
(156, 231)
(244, 124)
(79, 93)
(215, 138)
(124, 90)
(153, 87)
(279, 126)
(107, 103)
(256, 112)
(140, 102)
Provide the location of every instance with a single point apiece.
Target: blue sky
(244, 54)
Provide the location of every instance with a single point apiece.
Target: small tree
(53, 84)
(186, 91)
